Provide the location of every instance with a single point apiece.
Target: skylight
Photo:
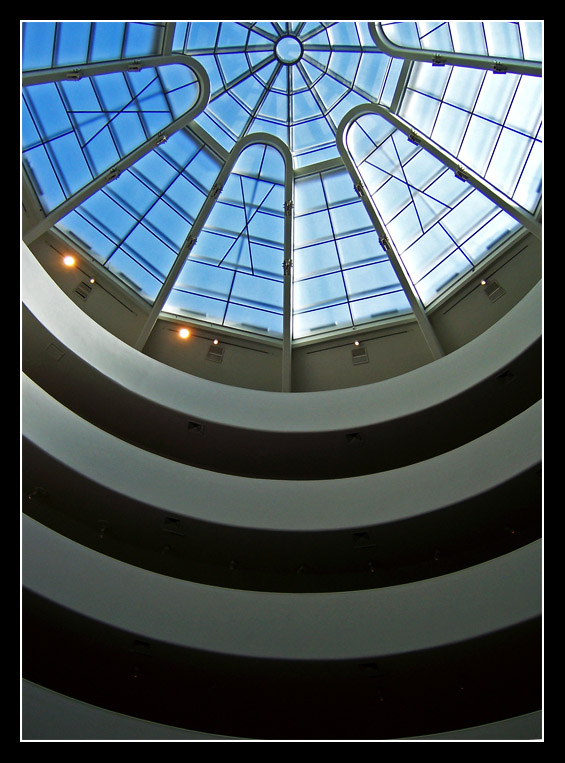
(225, 171)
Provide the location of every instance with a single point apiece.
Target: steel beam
(443, 57)
(200, 221)
(55, 75)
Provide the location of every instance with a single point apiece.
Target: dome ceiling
(285, 178)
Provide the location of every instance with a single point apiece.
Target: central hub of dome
(288, 50)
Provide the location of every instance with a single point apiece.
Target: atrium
(287, 181)
(316, 248)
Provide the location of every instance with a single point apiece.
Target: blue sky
(74, 130)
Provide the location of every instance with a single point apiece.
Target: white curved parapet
(452, 608)
(409, 491)
(260, 410)
(53, 712)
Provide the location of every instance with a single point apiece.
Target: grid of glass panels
(300, 97)
(234, 274)
(294, 80)
(490, 122)
(74, 130)
(440, 226)
(342, 277)
(136, 225)
(501, 39)
(49, 44)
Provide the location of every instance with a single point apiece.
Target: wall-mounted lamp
(492, 289)
(69, 260)
(184, 333)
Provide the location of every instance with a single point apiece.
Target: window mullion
(127, 161)
(443, 57)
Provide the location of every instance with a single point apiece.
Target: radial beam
(287, 273)
(400, 89)
(525, 218)
(60, 73)
(498, 198)
(200, 221)
(76, 199)
(442, 57)
(184, 252)
(168, 38)
(402, 274)
(519, 213)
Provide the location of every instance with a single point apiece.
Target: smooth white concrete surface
(444, 480)
(346, 625)
(276, 411)
(49, 716)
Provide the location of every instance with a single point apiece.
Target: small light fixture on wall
(492, 289)
(69, 260)
(215, 352)
(184, 333)
(359, 354)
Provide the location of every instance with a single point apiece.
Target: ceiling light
(69, 260)
(184, 333)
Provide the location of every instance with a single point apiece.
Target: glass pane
(489, 122)
(503, 39)
(291, 93)
(242, 246)
(38, 38)
(389, 305)
(333, 237)
(86, 126)
(434, 220)
(295, 81)
(72, 43)
(321, 321)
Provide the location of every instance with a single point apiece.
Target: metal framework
(199, 223)
(442, 57)
(76, 73)
(303, 107)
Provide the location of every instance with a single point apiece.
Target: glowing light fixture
(298, 81)
(184, 333)
(69, 260)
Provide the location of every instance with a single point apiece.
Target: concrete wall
(381, 653)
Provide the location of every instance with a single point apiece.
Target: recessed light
(69, 260)
(184, 333)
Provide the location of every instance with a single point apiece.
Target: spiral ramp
(205, 562)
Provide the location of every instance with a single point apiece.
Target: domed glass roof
(286, 179)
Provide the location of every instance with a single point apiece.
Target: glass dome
(285, 179)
